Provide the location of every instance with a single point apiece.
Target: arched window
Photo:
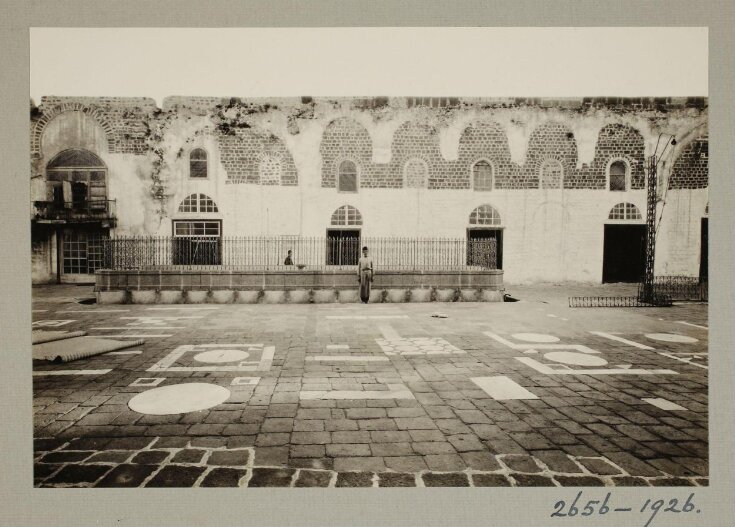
(485, 215)
(618, 176)
(482, 175)
(552, 174)
(198, 203)
(347, 176)
(77, 179)
(415, 173)
(625, 211)
(346, 216)
(198, 163)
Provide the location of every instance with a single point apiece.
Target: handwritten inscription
(650, 509)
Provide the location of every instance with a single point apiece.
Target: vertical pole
(59, 254)
(650, 231)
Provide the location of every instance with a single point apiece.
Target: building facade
(559, 184)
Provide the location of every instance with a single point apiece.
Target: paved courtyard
(527, 393)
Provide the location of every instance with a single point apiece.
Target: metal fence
(618, 301)
(682, 288)
(257, 253)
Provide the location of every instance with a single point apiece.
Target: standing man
(288, 260)
(365, 275)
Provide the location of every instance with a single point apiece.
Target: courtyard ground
(527, 393)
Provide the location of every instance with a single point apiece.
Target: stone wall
(272, 167)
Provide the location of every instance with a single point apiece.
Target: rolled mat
(78, 348)
(38, 335)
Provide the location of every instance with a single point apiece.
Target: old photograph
(363, 289)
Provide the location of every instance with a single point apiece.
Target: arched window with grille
(482, 175)
(198, 203)
(343, 236)
(625, 211)
(552, 174)
(347, 176)
(485, 238)
(198, 163)
(618, 176)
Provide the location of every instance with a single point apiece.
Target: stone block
(274, 297)
(144, 297)
(197, 297)
(223, 296)
(396, 296)
(488, 295)
(325, 296)
(445, 295)
(171, 297)
(420, 295)
(246, 297)
(298, 296)
(469, 295)
(111, 297)
(348, 296)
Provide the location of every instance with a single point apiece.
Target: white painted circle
(179, 398)
(535, 337)
(222, 355)
(578, 359)
(671, 337)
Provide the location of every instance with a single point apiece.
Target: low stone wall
(297, 286)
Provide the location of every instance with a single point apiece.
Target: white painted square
(147, 381)
(418, 346)
(245, 381)
(259, 358)
(664, 404)
(502, 388)
(51, 323)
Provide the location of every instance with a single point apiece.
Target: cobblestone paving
(332, 408)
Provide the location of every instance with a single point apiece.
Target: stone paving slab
(415, 419)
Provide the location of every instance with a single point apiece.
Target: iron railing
(74, 211)
(243, 253)
(619, 301)
(682, 288)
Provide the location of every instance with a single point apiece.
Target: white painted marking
(44, 311)
(685, 361)
(535, 337)
(245, 381)
(363, 317)
(621, 339)
(395, 391)
(565, 319)
(264, 364)
(147, 381)
(126, 352)
(130, 327)
(664, 404)
(130, 336)
(671, 337)
(179, 398)
(388, 332)
(221, 356)
(348, 358)
(70, 372)
(92, 310)
(337, 346)
(159, 320)
(171, 308)
(576, 347)
(51, 323)
(543, 368)
(576, 359)
(693, 325)
(502, 388)
(551, 315)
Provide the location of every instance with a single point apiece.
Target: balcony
(87, 211)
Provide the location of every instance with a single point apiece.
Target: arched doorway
(343, 236)
(485, 224)
(624, 250)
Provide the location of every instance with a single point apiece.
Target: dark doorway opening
(703, 252)
(473, 258)
(79, 196)
(624, 254)
(343, 246)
